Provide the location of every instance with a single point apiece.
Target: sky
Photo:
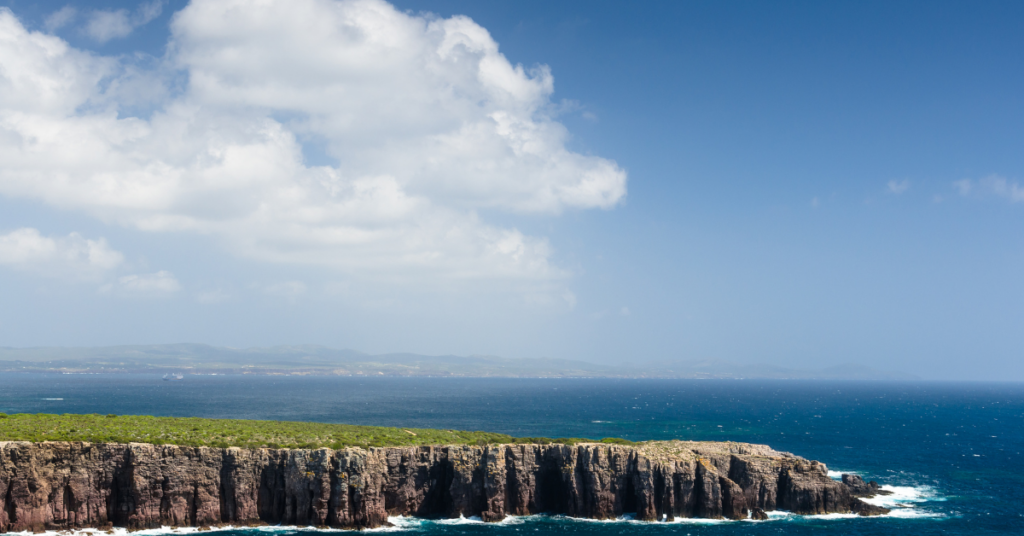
(797, 183)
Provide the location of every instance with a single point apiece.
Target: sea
(951, 453)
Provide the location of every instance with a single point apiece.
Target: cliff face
(78, 485)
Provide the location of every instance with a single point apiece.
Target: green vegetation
(240, 433)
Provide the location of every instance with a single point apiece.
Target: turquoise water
(951, 451)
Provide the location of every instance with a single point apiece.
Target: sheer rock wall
(57, 485)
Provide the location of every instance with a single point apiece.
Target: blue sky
(802, 184)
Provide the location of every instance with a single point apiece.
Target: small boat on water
(173, 377)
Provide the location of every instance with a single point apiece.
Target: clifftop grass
(196, 432)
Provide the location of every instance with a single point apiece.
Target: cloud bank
(423, 125)
(71, 256)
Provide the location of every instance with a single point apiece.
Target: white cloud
(159, 284)
(992, 185)
(147, 11)
(898, 187)
(60, 18)
(103, 25)
(72, 256)
(429, 123)
(1004, 188)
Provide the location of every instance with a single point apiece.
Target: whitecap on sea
(461, 520)
(901, 495)
(838, 475)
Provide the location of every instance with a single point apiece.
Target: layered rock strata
(48, 486)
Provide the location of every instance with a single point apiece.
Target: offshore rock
(61, 486)
(866, 509)
(859, 488)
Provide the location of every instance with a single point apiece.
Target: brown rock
(60, 486)
(859, 488)
(734, 503)
(804, 488)
(865, 509)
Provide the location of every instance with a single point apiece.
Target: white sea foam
(829, 516)
(783, 515)
(905, 500)
(699, 521)
(901, 495)
(399, 524)
(626, 518)
(911, 513)
(461, 520)
(519, 520)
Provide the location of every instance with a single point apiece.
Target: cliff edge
(64, 485)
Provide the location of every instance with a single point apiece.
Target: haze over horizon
(790, 183)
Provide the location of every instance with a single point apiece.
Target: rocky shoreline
(64, 486)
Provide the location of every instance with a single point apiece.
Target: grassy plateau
(195, 432)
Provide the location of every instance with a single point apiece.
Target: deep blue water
(952, 450)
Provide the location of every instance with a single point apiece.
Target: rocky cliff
(77, 485)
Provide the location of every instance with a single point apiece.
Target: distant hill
(319, 360)
(724, 369)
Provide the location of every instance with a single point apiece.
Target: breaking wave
(838, 475)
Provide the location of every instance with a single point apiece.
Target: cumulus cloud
(159, 284)
(103, 25)
(898, 187)
(71, 256)
(992, 185)
(429, 125)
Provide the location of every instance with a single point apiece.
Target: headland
(66, 485)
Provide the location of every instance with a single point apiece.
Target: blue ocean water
(951, 451)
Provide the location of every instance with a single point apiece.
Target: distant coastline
(188, 359)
